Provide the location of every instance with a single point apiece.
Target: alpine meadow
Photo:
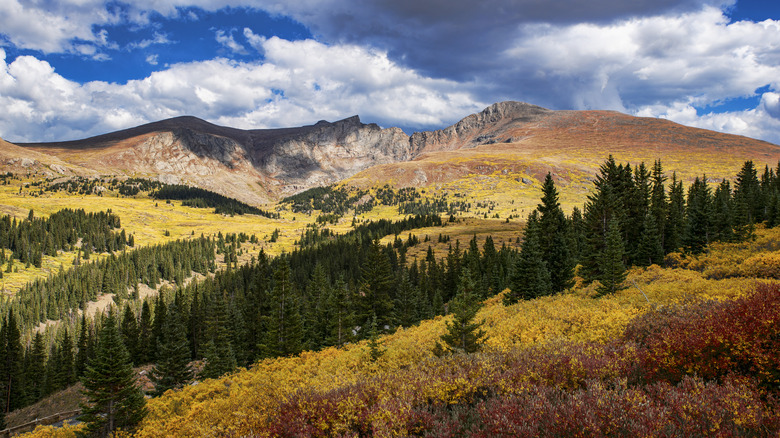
(342, 218)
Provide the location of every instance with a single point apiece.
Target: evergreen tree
(375, 350)
(113, 399)
(284, 323)
(553, 238)
(130, 333)
(11, 361)
(374, 295)
(85, 347)
(613, 271)
(650, 249)
(602, 206)
(218, 350)
(531, 278)
(341, 318)
(748, 196)
(698, 216)
(659, 206)
(723, 213)
(464, 335)
(172, 369)
(35, 368)
(405, 301)
(144, 354)
(675, 219)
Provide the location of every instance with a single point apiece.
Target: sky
(71, 69)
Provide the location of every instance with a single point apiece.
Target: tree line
(633, 218)
(201, 198)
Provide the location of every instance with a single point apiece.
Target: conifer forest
(220, 310)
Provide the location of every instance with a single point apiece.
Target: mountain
(508, 141)
(516, 144)
(251, 165)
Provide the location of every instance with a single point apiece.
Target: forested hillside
(357, 336)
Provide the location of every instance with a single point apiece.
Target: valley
(317, 301)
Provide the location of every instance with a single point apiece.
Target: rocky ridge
(262, 165)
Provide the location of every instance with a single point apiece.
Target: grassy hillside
(568, 354)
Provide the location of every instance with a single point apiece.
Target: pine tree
(748, 195)
(698, 216)
(375, 350)
(130, 333)
(723, 213)
(405, 304)
(659, 206)
(613, 270)
(553, 238)
(113, 399)
(341, 318)
(650, 250)
(218, 350)
(36, 368)
(172, 369)
(675, 219)
(374, 295)
(601, 208)
(284, 323)
(145, 335)
(464, 335)
(531, 278)
(11, 361)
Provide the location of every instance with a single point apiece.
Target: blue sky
(75, 68)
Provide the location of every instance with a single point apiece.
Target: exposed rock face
(485, 127)
(330, 152)
(255, 165)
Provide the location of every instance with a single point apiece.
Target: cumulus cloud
(298, 82)
(228, 41)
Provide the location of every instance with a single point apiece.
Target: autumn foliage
(699, 357)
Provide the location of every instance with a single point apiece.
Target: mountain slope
(251, 165)
(508, 147)
(506, 151)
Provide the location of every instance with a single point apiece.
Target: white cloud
(227, 40)
(152, 59)
(298, 83)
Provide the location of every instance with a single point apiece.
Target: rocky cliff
(486, 127)
(251, 165)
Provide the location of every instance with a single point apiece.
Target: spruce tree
(464, 335)
(723, 213)
(114, 401)
(613, 270)
(553, 238)
(11, 361)
(698, 216)
(374, 294)
(602, 206)
(531, 278)
(674, 229)
(218, 350)
(284, 323)
(130, 333)
(341, 313)
(748, 195)
(650, 249)
(172, 369)
(659, 205)
(36, 368)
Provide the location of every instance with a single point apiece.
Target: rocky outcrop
(263, 164)
(485, 127)
(330, 152)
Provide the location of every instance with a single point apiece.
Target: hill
(504, 152)
(500, 153)
(254, 166)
